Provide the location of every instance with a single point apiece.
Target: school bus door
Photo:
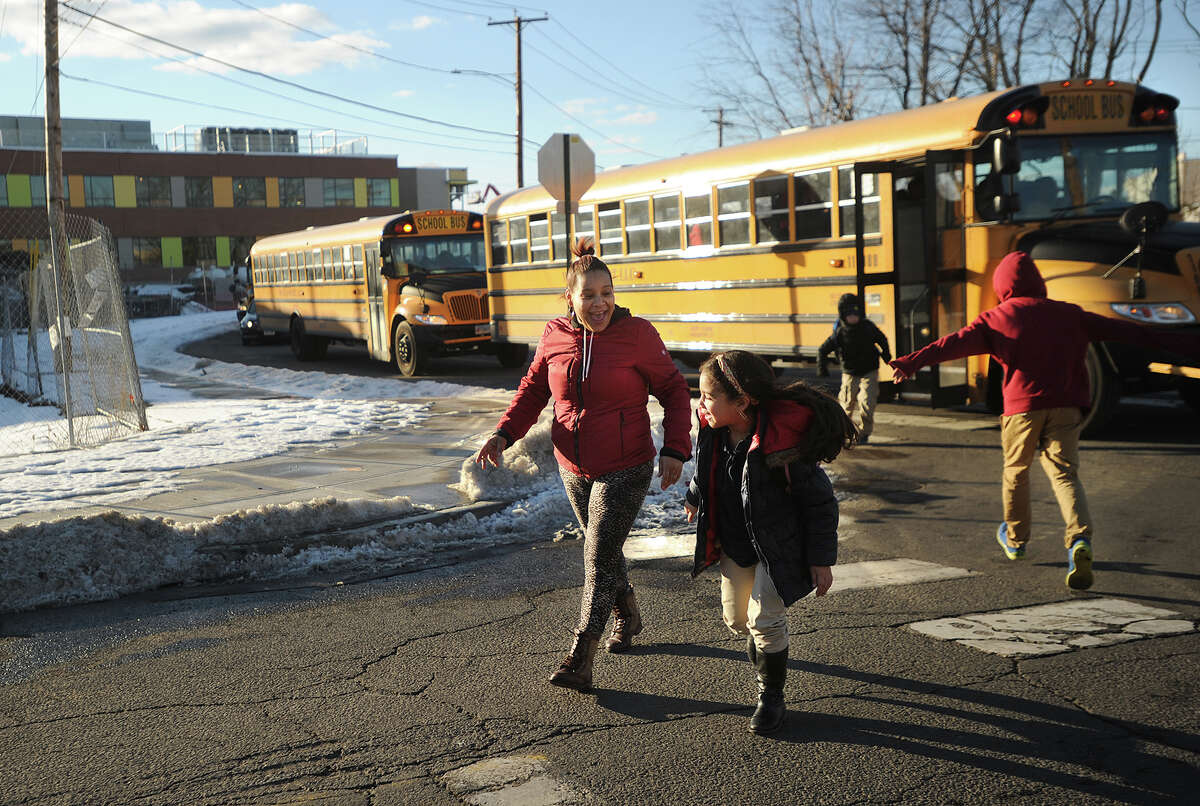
(378, 339)
(929, 260)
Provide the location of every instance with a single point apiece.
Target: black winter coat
(858, 346)
(790, 509)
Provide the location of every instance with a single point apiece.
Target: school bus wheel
(1106, 390)
(409, 358)
(513, 355)
(304, 346)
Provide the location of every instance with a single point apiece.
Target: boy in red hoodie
(1041, 343)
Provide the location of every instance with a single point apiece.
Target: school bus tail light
(1154, 110)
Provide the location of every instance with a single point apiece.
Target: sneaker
(1011, 552)
(1079, 565)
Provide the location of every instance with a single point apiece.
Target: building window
(37, 190)
(814, 201)
(870, 203)
(539, 237)
(291, 191)
(199, 250)
(339, 192)
(733, 214)
(147, 251)
(197, 191)
(153, 191)
(98, 191)
(666, 222)
(379, 193)
(239, 248)
(698, 219)
(249, 191)
(771, 209)
(499, 243)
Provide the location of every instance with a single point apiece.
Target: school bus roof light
(1013, 117)
(1029, 116)
(1110, 83)
(476, 224)
(1066, 83)
(406, 227)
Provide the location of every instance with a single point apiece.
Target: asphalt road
(430, 687)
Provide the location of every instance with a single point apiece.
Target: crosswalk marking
(1053, 628)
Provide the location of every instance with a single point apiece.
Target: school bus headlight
(1159, 312)
(429, 319)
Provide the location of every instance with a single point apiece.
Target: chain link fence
(68, 377)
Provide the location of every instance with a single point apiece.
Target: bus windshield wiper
(1059, 212)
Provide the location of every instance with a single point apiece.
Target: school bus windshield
(1087, 175)
(455, 254)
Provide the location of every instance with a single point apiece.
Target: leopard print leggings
(606, 507)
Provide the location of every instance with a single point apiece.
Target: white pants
(750, 605)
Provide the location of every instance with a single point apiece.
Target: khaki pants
(858, 395)
(750, 605)
(1052, 434)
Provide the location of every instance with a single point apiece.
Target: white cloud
(5, 57)
(581, 106)
(237, 35)
(642, 117)
(418, 23)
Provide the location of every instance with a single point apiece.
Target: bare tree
(1101, 37)
(780, 67)
(908, 66)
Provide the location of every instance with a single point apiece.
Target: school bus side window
(518, 240)
(585, 227)
(870, 203)
(609, 219)
(814, 201)
(499, 243)
(733, 214)
(539, 238)
(558, 235)
(637, 225)
(698, 212)
(771, 209)
(666, 222)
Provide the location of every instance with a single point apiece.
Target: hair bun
(584, 246)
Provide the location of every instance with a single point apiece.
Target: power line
(603, 58)
(590, 128)
(288, 97)
(285, 82)
(192, 102)
(606, 87)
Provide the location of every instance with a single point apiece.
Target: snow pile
(182, 435)
(97, 557)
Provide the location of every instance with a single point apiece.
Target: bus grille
(468, 307)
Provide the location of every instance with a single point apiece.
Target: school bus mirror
(1006, 155)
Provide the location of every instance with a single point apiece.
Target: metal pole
(567, 193)
(518, 21)
(56, 208)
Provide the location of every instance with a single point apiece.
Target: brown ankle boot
(575, 671)
(626, 624)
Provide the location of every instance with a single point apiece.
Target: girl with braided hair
(600, 363)
(764, 510)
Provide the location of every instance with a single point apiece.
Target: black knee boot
(751, 650)
(772, 673)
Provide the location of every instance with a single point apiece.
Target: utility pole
(721, 124)
(519, 21)
(56, 211)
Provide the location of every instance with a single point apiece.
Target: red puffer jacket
(601, 424)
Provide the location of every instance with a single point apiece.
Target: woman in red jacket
(599, 363)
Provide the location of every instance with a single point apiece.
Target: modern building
(200, 197)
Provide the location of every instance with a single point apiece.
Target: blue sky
(625, 75)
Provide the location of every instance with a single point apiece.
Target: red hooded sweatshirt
(1040, 342)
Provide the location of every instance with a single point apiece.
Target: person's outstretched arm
(1104, 328)
(974, 339)
(828, 346)
(530, 399)
(881, 340)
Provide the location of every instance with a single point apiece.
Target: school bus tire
(1106, 391)
(406, 352)
(304, 346)
(512, 356)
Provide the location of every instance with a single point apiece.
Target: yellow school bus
(750, 246)
(408, 286)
